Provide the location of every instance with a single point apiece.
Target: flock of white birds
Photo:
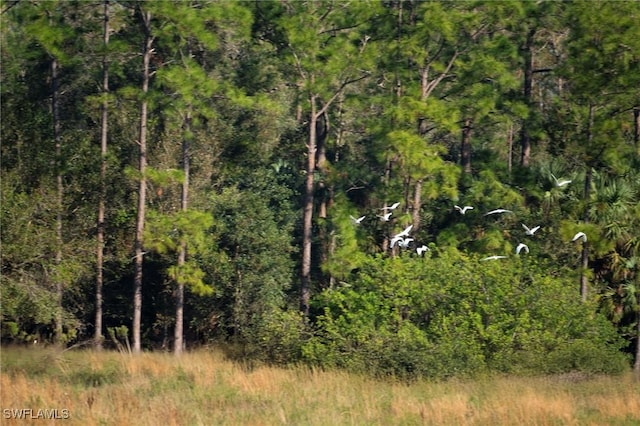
(404, 240)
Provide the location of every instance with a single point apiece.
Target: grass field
(203, 388)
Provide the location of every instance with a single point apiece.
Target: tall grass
(203, 388)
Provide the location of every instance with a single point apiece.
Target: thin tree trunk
(584, 282)
(57, 135)
(322, 134)
(324, 191)
(182, 255)
(398, 82)
(98, 337)
(465, 146)
(510, 148)
(417, 203)
(307, 216)
(142, 189)
(585, 245)
(525, 137)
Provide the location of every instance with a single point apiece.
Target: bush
(448, 314)
(277, 337)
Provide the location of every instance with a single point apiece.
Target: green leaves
(478, 315)
(165, 233)
(191, 275)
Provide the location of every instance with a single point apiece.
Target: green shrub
(449, 315)
(277, 337)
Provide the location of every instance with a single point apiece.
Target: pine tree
(147, 51)
(324, 55)
(98, 337)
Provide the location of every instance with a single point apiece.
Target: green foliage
(256, 220)
(412, 317)
(277, 336)
(166, 234)
(488, 191)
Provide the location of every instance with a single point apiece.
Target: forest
(405, 188)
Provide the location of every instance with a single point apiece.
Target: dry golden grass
(202, 388)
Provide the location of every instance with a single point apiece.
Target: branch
(338, 92)
(13, 3)
(434, 83)
(298, 64)
(335, 30)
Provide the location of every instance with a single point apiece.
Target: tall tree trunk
(324, 191)
(585, 245)
(465, 146)
(142, 188)
(307, 216)
(57, 135)
(584, 282)
(182, 255)
(525, 136)
(322, 133)
(98, 338)
(417, 203)
(510, 149)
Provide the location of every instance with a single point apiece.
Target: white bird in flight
(520, 247)
(561, 182)
(498, 211)
(357, 221)
(530, 231)
(404, 233)
(395, 240)
(421, 250)
(580, 235)
(385, 217)
(391, 207)
(494, 257)
(464, 209)
(404, 243)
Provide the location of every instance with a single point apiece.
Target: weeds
(204, 388)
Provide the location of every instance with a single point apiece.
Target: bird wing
(580, 235)
(391, 207)
(534, 229)
(405, 231)
(526, 228)
(395, 240)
